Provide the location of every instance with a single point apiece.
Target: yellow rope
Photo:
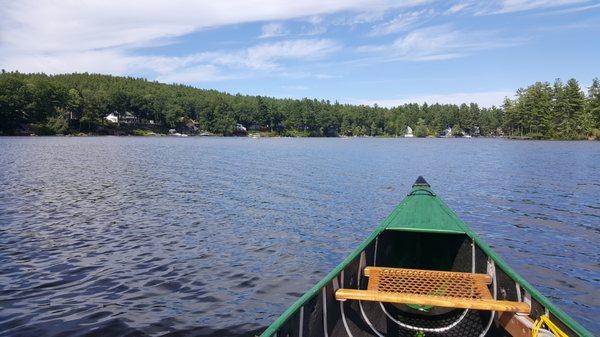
(544, 319)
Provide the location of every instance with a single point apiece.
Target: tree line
(78, 103)
(559, 111)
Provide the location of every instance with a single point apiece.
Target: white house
(112, 118)
(240, 128)
(128, 118)
(409, 132)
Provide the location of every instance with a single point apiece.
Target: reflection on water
(216, 236)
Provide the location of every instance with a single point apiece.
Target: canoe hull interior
(421, 233)
(323, 315)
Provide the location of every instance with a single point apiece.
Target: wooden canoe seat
(430, 287)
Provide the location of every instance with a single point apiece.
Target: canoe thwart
(430, 287)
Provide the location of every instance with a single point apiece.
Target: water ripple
(214, 236)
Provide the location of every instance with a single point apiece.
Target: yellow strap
(544, 319)
(536, 327)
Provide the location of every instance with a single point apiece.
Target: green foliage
(223, 124)
(593, 103)
(141, 132)
(295, 133)
(457, 131)
(575, 113)
(53, 126)
(76, 103)
(15, 96)
(536, 135)
(542, 111)
(58, 124)
(421, 130)
(88, 123)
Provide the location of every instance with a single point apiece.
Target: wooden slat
(373, 276)
(430, 287)
(519, 325)
(438, 301)
(434, 273)
(483, 290)
(515, 325)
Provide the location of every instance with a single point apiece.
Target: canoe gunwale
(535, 294)
(434, 231)
(314, 291)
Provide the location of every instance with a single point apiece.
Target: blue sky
(355, 51)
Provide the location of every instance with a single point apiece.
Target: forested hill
(80, 103)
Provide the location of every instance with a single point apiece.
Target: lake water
(217, 236)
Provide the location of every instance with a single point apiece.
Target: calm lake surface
(217, 236)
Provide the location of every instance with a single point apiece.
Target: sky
(353, 51)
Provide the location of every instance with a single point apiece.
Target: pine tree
(74, 104)
(508, 124)
(521, 118)
(559, 110)
(593, 102)
(536, 102)
(579, 123)
(547, 125)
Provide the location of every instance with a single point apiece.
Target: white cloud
(198, 67)
(484, 99)
(507, 6)
(273, 30)
(312, 27)
(303, 74)
(262, 56)
(113, 23)
(458, 7)
(439, 43)
(221, 65)
(194, 74)
(403, 22)
(295, 87)
(101, 36)
(573, 9)
(314, 20)
(95, 61)
(371, 14)
(265, 56)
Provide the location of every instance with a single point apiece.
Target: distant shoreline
(83, 135)
(94, 104)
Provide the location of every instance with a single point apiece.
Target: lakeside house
(240, 130)
(127, 118)
(409, 132)
(112, 118)
(256, 127)
(446, 133)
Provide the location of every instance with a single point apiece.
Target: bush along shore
(92, 104)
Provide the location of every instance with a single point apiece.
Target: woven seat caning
(430, 287)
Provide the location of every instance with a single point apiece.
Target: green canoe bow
(423, 211)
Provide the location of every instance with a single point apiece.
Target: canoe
(423, 272)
